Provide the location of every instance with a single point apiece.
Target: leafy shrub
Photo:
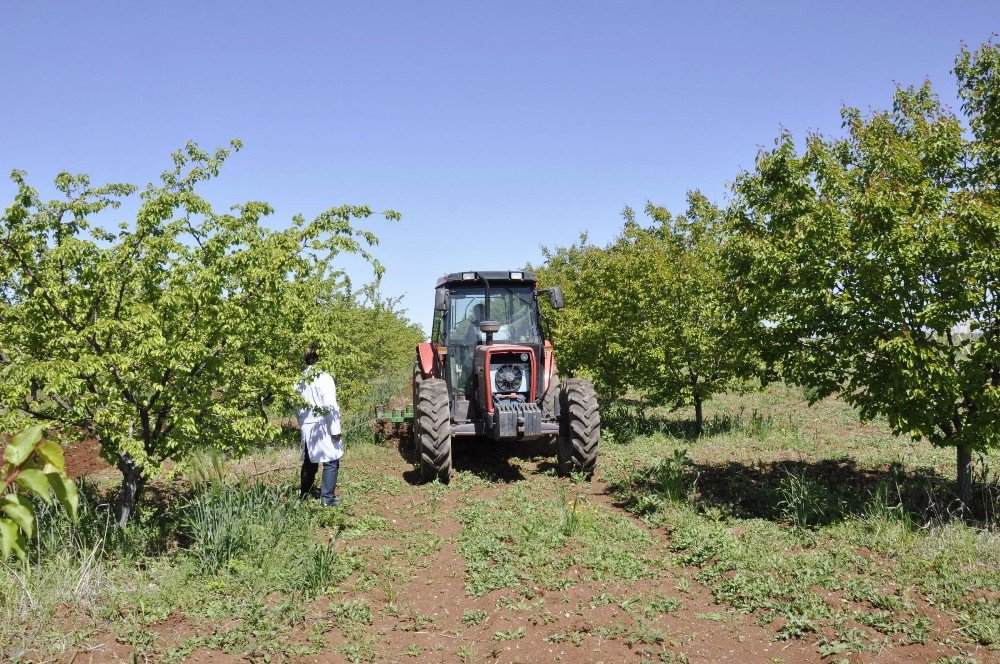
(32, 467)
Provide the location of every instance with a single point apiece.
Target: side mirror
(440, 299)
(555, 297)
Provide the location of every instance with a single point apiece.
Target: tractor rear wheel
(432, 428)
(579, 427)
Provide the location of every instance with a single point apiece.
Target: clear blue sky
(494, 128)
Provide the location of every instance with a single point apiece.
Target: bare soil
(421, 617)
(84, 458)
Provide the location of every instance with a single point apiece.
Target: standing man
(320, 424)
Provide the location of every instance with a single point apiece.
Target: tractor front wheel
(579, 427)
(432, 422)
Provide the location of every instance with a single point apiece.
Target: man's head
(311, 357)
(478, 311)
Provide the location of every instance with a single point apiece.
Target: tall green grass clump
(263, 534)
(804, 501)
(244, 522)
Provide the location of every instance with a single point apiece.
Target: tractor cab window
(513, 308)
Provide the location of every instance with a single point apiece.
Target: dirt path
(482, 570)
(430, 613)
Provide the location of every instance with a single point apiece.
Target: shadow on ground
(820, 492)
(630, 419)
(489, 460)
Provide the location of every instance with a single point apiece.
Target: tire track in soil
(430, 595)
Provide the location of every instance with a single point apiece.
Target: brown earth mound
(84, 458)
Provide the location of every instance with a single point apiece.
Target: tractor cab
(476, 310)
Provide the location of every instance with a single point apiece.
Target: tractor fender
(427, 360)
(550, 366)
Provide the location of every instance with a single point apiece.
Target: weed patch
(523, 542)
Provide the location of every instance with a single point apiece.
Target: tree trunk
(964, 457)
(697, 414)
(132, 484)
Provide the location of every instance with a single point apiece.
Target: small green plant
(572, 514)
(886, 508)
(803, 501)
(646, 634)
(473, 616)
(352, 611)
(390, 591)
(796, 626)
(320, 567)
(509, 635)
(662, 605)
(671, 478)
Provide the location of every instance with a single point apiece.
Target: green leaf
(52, 453)
(21, 446)
(19, 509)
(35, 481)
(8, 537)
(66, 493)
(20, 547)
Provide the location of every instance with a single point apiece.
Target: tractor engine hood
(505, 372)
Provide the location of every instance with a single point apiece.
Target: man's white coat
(320, 423)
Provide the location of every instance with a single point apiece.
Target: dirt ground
(422, 613)
(84, 458)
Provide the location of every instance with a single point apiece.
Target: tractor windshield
(513, 308)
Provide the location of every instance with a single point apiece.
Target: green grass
(525, 541)
(813, 524)
(796, 518)
(211, 556)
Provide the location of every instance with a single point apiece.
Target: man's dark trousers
(329, 484)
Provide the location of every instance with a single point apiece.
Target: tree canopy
(652, 310)
(873, 258)
(177, 330)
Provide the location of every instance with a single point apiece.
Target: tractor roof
(472, 278)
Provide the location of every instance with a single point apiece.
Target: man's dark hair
(311, 356)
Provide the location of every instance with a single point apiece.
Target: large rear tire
(579, 427)
(432, 420)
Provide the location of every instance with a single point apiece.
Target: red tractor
(488, 372)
